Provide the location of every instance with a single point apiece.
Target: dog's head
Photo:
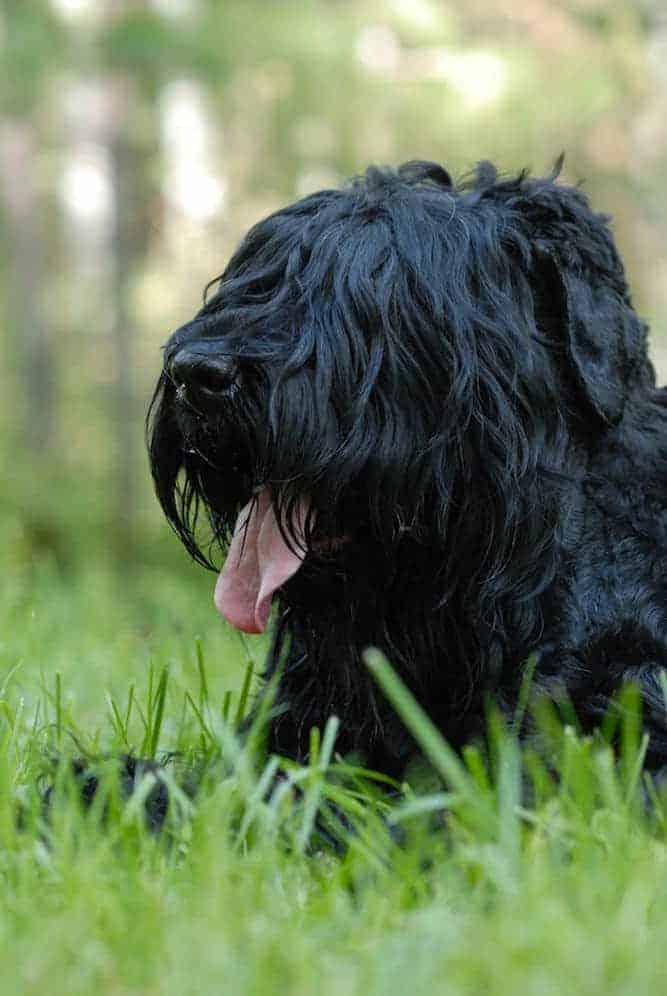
(389, 391)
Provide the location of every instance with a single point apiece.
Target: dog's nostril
(201, 373)
(215, 375)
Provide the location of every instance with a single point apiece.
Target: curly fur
(456, 378)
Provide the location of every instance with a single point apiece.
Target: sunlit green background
(140, 138)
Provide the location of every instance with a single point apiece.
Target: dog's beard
(335, 526)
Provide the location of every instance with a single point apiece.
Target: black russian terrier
(421, 416)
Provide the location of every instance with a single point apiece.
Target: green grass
(559, 887)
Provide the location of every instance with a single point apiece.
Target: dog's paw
(131, 773)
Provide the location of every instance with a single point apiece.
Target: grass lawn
(562, 889)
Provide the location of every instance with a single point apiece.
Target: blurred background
(138, 141)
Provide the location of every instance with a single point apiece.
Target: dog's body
(423, 418)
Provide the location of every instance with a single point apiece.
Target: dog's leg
(592, 676)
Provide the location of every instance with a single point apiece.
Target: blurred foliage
(102, 253)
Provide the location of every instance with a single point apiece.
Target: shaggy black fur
(454, 380)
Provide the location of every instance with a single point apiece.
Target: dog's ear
(605, 342)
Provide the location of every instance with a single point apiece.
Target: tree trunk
(125, 255)
(26, 237)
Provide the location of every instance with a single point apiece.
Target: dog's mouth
(258, 562)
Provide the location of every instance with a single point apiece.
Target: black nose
(200, 373)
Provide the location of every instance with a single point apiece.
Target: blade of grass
(160, 696)
(243, 697)
(130, 703)
(524, 692)
(201, 669)
(117, 721)
(205, 729)
(437, 750)
(58, 703)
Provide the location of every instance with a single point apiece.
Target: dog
(420, 415)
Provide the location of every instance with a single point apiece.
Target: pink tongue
(259, 561)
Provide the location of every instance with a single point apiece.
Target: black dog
(421, 416)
